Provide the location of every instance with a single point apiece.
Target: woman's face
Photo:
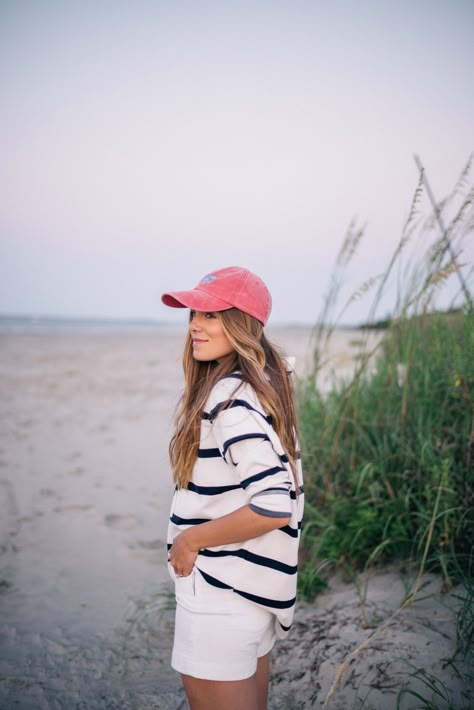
(209, 340)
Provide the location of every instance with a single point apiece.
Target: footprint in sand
(78, 508)
(150, 551)
(47, 492)
(146, 545)
(121, 522)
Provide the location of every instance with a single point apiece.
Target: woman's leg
(263, 677)
(248, 694)
(219, 694)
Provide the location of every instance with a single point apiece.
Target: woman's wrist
(190, 538)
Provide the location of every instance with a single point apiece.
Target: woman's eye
(209, 314)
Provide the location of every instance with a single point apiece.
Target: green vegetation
(440, 695)
(389, 454)
(389, 457)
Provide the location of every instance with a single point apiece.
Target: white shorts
(218, 635)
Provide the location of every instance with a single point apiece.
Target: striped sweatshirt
(241, 462)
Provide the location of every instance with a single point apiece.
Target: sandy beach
(86, 618)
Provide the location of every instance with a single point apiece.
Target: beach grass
(388, 452)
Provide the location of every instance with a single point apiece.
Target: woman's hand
(241, 525)
(182, 554)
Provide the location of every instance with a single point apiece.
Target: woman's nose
(194, 323)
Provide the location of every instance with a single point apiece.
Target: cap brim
(195, 299)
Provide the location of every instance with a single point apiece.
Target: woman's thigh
(248, 694)
(219, 694)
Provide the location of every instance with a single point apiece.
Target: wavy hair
(260, 364)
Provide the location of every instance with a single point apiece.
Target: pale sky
(144, 144)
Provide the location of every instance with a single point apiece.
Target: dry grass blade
(461, 182)
(443, 274)
(327, 321)
(410, 599)
(344, 665)
(434, 280)
(414, 204)
(350, 244)
(361, 291)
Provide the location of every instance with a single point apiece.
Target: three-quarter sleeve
(247, 441)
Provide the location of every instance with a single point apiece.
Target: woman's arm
(240, 525)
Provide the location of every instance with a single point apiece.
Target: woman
(236, 513)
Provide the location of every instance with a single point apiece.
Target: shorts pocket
(185, 587)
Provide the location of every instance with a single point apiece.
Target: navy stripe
(292, 532)
(253, 558)
(263, 474)
(269, 513)
(242, 437)
(211, 490)
(285, 628)
(214, 582)
(293, 493)
(209, 454)
(231, 404)
(273, 603)
(188, 521)
(284, 457)
(278, 489)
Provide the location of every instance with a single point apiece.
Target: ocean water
(55, 324)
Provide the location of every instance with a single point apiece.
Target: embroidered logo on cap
(209, 279)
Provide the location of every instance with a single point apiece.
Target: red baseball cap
(232, 287)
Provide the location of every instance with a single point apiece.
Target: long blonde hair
(260, 364)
